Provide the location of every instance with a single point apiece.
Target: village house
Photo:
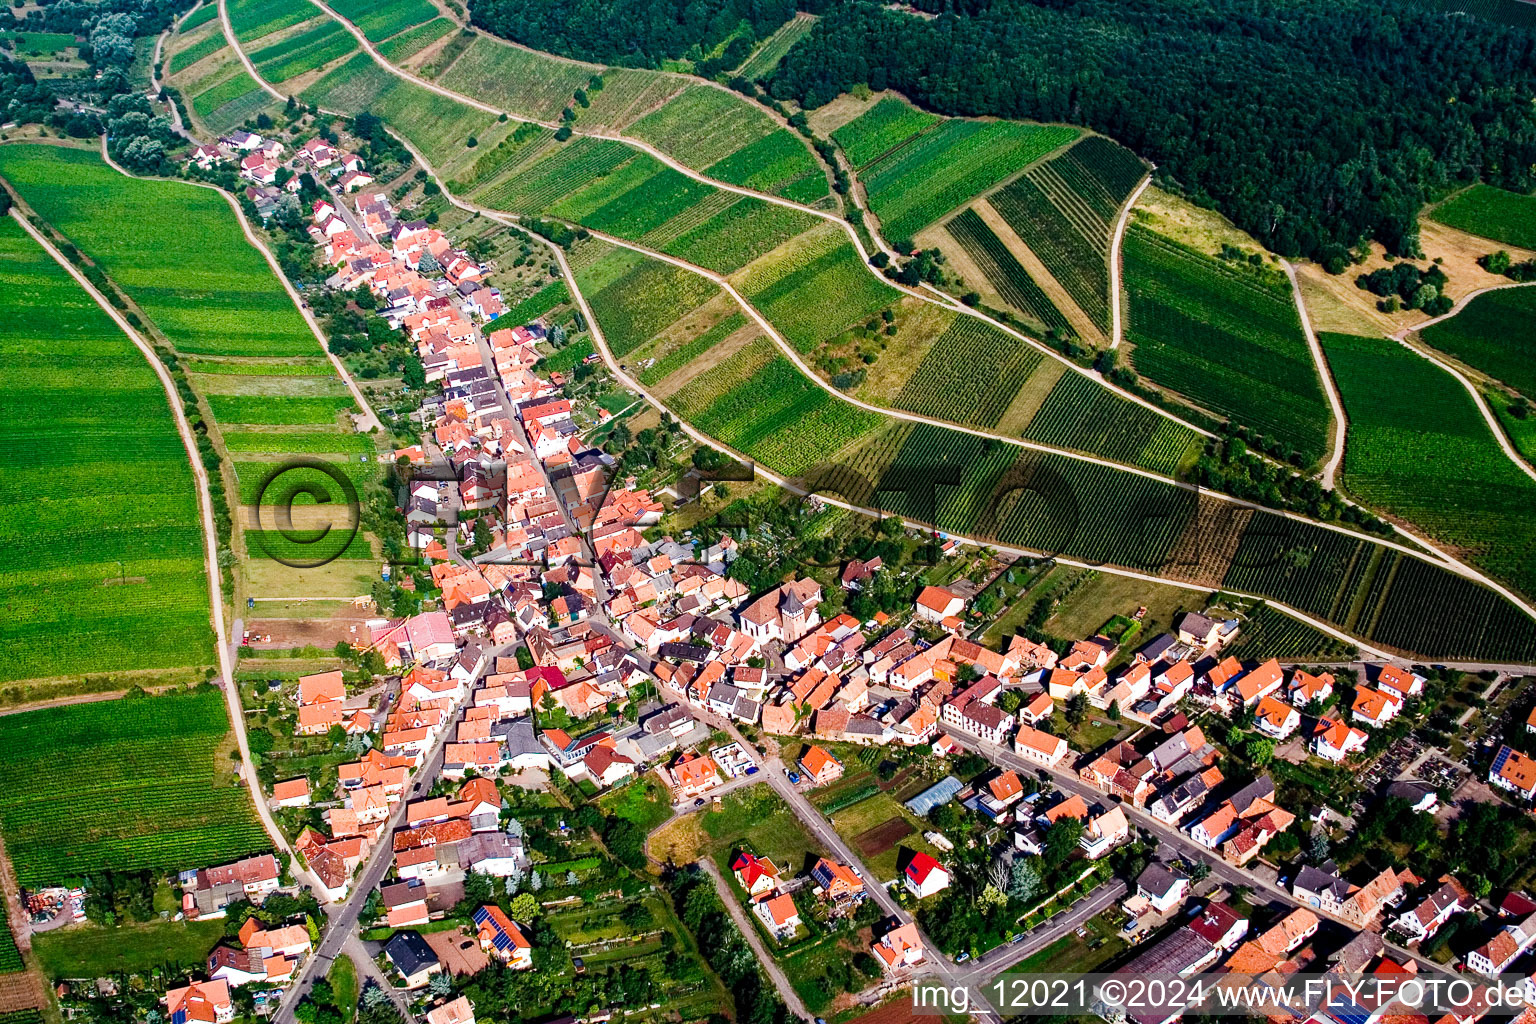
(409, 954)
(924, 876)
(755, 874)
(1162, 887)
(455, 1011)
(900, 947)
(820, 766)
(205, 1002)
(785, 613)
(1040, 747)
(1374, 707)
(1495, 956)
(779, 915)
(1425, 918)
(1335, 740)
(501, 938)
(935, 604)
(1514, 771)
(837, 882)
(1275, 718)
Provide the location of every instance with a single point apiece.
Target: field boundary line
(210, 542)
(1116, 241)
(1428, 550)
(1320, 360)
(370, 420)
(689, 172)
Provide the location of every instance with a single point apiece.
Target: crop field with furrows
(779, 163)
(759, 404)
(1421, 450)
(737, 235)
(1506, 217)
(524, 145)
(194, 51)
(1443, 615)
(628, 93)
(1100, 173)
(536, 184)
(186, 263)
(412, 41)
(202, 16)
(265, 409)
(1271, 634)
(304, 442)
(101, 553)
(1321, 572)
(306, 51)
(1493, 334)
(1224, 339)
(127, 785)
(635, 202)
(950, 165)
(307, 545)
(647, 296)
(10, 956)
(298, 480)
(536, 305)
(1074, 249)
(317, 367)
(531, 84)
(1002, 269)
(1082, 414)
(822, 264)
(676, 358)
(777, 45)
(249, 104)
(970, 375)
(379, 21)
(253, 19)
(881, 129)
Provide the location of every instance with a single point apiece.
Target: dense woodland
(1312, 124)
(637, 33)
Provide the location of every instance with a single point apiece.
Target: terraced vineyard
(124, 785)
(1002, 270)
(210, 77)
(1271, 634)
(773, 49)
(1494, 213)
(379, 21)
(307, 50)
(916, 184)
(252, 19)
(1227, 340)
(1065, 209)
(812, 288)
(412, 41)
(1431, 459)
(102, 564)
(1493, 334)
(209, 293)
(970, 375)
(633, 297)
(880, 129)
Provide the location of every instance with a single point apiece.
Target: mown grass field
(97, 489)
(1431, 458)
(1227, 339)
(128, 784)
(1506, 217)
(88, 951)
(948, 166)
(1493, 333)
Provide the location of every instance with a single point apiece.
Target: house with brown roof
(898, 948)
(1495, 956)
(291, 793)
(321, 687)
(1425, 918)
(1306, 688)
(1373, 707)
(1262, 681)
(779, 915)
(1366, 904)
(691, 774)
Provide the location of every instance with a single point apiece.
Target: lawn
(98, 490)
(89, 951)
(1493, 334)
(1506, 217)
(644, 802)
(1433, 460)
(130, 784)
(1093, 603)
(756, 819)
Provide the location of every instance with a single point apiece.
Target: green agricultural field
(1065, 208)
(529, 84)
(773, 49)
(102, 565)
(298, 480)
(1227, 339)
(741, 232)
(128, 784)
(202, 16)
(37, 44)
(676, 358)
(880, 129)
(412, 41)
(644, 297)
(970, 375)
(183, 59)
(1506, 217)
(1493, 333)
(253, 19)
(277, 411)
(379, 21)
(1003, 270)
(636, 198)
(823, 264)
(536, 305)
(302, 442)
(1271, 634)
(1082, 414)
(186, 264)
(304, 52)
(759, 404)
(1432, 459)
(948, 166)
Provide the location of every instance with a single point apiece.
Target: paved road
(1171, 839)
(755, 940)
